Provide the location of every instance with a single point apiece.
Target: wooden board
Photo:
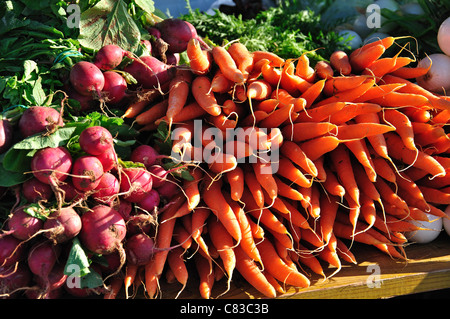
(375, 276)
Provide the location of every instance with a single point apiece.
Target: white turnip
(95, 140)
(6, 135)
(437, 79)
(39, 119)
(87, 172)
(87, 79)
(443, 36)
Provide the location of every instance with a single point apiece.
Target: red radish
(154, 32)
(107, 190)
(63, 225)
(95, 140)
(12, 279)
(114, 90)
(112, 263)
(140, 223)
(42, 256)
(11, 250)
(159, 175)
(150, 72)
(176, 33)
(136, 183)
(51, 164)
(39, 119)
(144, 154)
(124, 208)
(87, 172)
(172, 58)
(50, 289)
(87, 102)
(148, 45)
(70, 192)
(87, 78)
(108, 159)
(150, 201)
(6, 135)
(22, 225)
(139, 249)
(169, 189)
(109, 57)
(34, 190)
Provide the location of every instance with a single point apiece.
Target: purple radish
(159, 175)
(115, 88)
(176, 33)
(11, 250)
(135, 183)
(39, 119)
(87, 79)
(150, 72)
(42, 257)
(51, 164)
(144, 154)
(168, 189)
(139, 249)
(87, 172)
(95, 140)
(109, 57)
(150, 201)
(13, 280)
(34, 190)
(6, 135)
(62, 225)
(22, 225)
(103, 230)
(107, 190)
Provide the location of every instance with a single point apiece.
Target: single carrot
(206, 276)
(273, 58)
(114, 288)
(302, 131)
(435, 196)
(340, 158)
(379, 91)
(223, 241)
(182, 233)
(264, 175)
(253, 274)
(259, 90)
(201, 90)
(320, 113)
(349, 95)
(303, 68)
(389, 196)
(189, 112)
(294, 152)
(285, 190)
(212, 196)
(235, 179)
(403, 126)
(277, 117)
(313, 92)
(226, 64)
(339, 60)
(199, 60)
(178, 266)
(277, 268)
(130, 276)
(337, 84)
(399, 151)
(361, 152)
(242, 57)
(289, 171)
(363, 57)
(153, 113)
(223, 121)
(220, 83)
(380, 67)
(255, 188)
(360, 130)
(144, 99)
(332, 185)
(324, 70)
(267, 105)
(410, 72)
(351, 110)
(319, 146)
(344, 252)
(178, 95)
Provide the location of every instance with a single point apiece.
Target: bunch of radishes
(91, 196)
(107, 78)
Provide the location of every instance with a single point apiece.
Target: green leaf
(10, 178)
(39, 141)
(35, 210)
(146, 5)
(108, 22)
(77, 261)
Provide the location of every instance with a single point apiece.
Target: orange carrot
(263, 173)
(324, 70)
(338, 84)
(332, 184)
(220, 83)
(361, 130)
(351, 110)
(153, 113)
(242, 57)
(340, 158)
(278, 268)
(212, 196)
(289, 171)
(199, 60)
(286, 190)
(252, 273)
(178, 266)
(340, 62)
(302, 131)
(178, 95)
(226, 64)
(201, 87)
(274, 59)
(235, 179)
(363, 57)
(320, 113)
(319, 146)
(360, 151)
(206, 276)
(303, 68)
(435, 196)
(259, 90)
(313, 92)
(379, 91)
(294, 152)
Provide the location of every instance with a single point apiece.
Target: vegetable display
(176, 159)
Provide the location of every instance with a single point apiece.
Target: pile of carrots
(363, 151)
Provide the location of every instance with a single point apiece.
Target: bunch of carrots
(363, 151)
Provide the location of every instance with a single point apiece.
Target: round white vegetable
(355, 41)
(443, 36)
(431, 230)
(412, 8)
(437, 78)
(360, 26)
(446, 221)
